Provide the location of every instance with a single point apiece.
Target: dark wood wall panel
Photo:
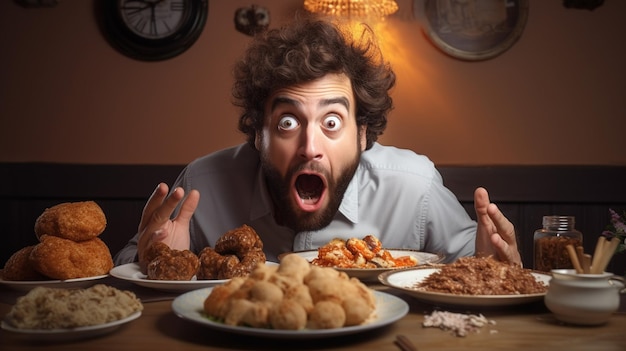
(27, 189)
(524, 193)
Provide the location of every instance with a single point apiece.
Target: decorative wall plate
(473, 29)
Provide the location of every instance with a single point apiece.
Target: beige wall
(556, 97)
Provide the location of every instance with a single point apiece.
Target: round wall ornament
(473, 29)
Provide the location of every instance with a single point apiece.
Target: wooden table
(526, 327)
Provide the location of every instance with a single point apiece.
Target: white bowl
(583, 299)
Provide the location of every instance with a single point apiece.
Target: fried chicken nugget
(353, 296)
(156, 249)
(60, 258)
(288, 314)
(216, 304)
(210, 263)
(327, 314)
(249, 313)
(77, 221)
(236, 253)
(358, 302)
(19, 267)
(174, 265)
(292, 266)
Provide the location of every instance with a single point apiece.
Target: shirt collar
(350, 204)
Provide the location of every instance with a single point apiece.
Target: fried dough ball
(236, 254)
(19, 267)
(77, 221)
(288, 314)
(300, 294)
(170, 264)
(359, 306)
(263, 272)
(246, 312)
(351, 294)
(317, 272)
(216, 304)
(326, 289)
(292, 296)
(60, 258)
(284, 282)
(264, 291)
(327, 315)
(294, 267)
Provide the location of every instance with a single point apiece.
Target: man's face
(310, 147)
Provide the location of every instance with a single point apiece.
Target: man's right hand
(156, 224)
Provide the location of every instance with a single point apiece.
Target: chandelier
(352, 8)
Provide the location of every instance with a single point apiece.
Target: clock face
(152, 30)
(153, 19)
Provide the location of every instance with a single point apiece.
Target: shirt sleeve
(128, 254)
(449, 228)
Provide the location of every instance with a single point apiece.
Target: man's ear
(363, 137)
(257, 141)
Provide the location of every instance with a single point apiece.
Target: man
(314, 102)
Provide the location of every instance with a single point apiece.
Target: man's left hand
(495, 234)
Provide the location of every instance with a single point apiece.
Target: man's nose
(310, 148)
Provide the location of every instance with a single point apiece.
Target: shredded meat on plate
(482, 276)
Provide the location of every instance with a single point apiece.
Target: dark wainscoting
(27, 189)
(524, 193)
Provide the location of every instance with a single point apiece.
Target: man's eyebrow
(283, 100)
(338, 100)
(325, 102)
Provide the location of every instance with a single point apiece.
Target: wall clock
(473, 30)
(152, 30)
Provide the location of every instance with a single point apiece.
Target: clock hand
(136, 8)
(153, 29)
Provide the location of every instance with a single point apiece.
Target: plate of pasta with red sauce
(365, 258)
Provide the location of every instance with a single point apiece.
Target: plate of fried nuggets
(131, 272)
(275, 302)
(235, 254)
(68, 253)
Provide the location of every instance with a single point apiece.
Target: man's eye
(332, 123)
(287, 123)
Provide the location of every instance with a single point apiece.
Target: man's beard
(288, 214)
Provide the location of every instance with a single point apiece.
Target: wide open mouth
(309, 187)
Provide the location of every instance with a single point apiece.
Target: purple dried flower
(616, 228)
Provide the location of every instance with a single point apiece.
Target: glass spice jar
(550, 243)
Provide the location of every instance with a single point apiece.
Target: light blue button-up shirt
(395, 195)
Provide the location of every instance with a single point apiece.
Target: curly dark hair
(308, 49)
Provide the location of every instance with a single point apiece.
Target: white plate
(371, 274)
(77, 283)
(132, 273)
(190, 305)
(73, 333)
(405, 279)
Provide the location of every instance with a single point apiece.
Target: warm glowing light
(352, 8)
